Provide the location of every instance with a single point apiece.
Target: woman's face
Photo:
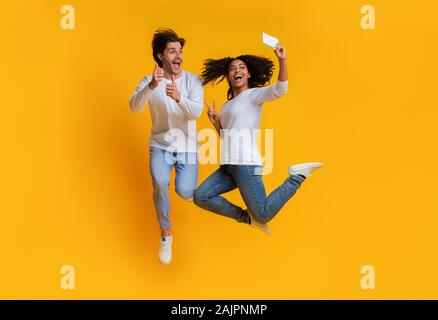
(238, 74)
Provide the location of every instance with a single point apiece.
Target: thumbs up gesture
(157, 76)
(172, 90)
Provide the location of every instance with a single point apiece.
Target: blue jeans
(248, 178)
(161, 164)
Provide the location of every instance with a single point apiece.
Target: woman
(241, 163)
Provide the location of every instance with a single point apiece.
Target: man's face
(172, 58)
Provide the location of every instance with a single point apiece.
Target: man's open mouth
(238, 77)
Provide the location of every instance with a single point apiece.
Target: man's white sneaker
(260, 226)
(304, 169)
(165, 252)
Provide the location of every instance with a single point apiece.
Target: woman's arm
(275, 91)
(280, 52)
(214, 117)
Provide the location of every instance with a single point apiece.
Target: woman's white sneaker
(304, 169)
(165, 252)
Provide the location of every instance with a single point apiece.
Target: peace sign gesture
(212, 115)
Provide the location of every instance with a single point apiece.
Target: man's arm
(141, 96)
(192, 105)
(144, 90)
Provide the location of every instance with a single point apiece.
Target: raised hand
(172, 90)
(280, 51)
(212, 114)
(157, 76)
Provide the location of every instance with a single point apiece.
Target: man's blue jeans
(161, 164)
(248, 178)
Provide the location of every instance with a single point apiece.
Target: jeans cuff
(297, 178)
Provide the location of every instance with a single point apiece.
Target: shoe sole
(316, 165)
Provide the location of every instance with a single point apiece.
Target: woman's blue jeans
(248, 179)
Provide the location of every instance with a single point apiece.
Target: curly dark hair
(161, 38)
(261, 69)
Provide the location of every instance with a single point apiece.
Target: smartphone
(270, 40)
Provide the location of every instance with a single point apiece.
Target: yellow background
(75, 183)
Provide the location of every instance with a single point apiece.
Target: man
(175, 98)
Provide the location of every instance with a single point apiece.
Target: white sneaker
(304, 169)
(165, 252)
(260, 226)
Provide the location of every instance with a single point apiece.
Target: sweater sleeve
(193, 104)
(270, 93)
(141, 96)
